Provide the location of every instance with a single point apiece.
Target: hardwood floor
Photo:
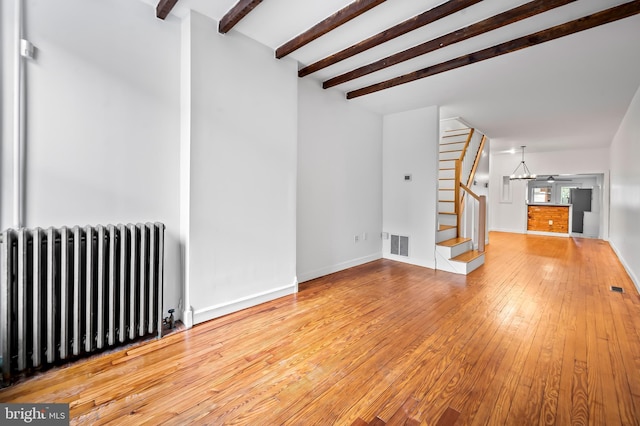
(535, 336)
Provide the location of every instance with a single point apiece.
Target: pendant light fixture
(522, 171)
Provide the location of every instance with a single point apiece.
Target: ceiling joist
(237, 12)
(164, 8)
(411, 24)
(342, 16)
(500, 20)
(604, 17)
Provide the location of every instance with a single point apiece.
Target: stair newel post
(482, 222)
(456, 196)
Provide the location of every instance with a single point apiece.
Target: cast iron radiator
(70, 292)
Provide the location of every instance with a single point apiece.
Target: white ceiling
(567, 93)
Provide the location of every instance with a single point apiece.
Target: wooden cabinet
(551, 218)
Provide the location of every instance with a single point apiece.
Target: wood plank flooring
(535, 336)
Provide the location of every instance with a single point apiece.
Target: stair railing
(466, 166)
(476, 160)
(457, 196)
(475, 224)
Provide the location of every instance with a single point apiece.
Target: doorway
(581, 199)
(583, 192)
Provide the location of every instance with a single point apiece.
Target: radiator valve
(169, 321)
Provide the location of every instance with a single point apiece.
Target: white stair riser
(445, 184)
(457, 250)
(447, 219)
(449, 155)
(445, 195)
(462, 268)
(445, 235)
(468, 267)
(446, 174)
(447, 164)
(450, 145)
(446, 207)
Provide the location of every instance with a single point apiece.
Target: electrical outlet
(550, 222)
(364, 236)
(356, 238)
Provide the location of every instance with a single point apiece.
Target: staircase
(458, 248)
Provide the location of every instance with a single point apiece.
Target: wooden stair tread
(468, 256)
(359, 422)
(447, 213)
(445, 189)
(454, 242)
(445, 227)
(452, 150)
(458, 130)
(446, 178)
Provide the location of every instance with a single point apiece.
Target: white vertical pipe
(185, 167)
(18, 119)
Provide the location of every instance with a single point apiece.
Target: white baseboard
(187, 317)
(630, 271)
(321, 272)
(411, 261)
(215, 311)
(510, 231)
(548, 234)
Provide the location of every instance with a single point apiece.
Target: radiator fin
(69, 292)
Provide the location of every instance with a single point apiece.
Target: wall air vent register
(400, 245)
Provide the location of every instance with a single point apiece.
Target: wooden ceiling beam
(411, 24)
(500, 20)
(355, 9)
(164, 8)
(590, 21)
(236, 13)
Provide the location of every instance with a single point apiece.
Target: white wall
(339, 183)
(102, 119)
(6, 112)
(511, 216)
(625, 191)
(410, 146)
(243, 133)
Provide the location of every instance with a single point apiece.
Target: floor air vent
(617, 289)
(400, 245)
